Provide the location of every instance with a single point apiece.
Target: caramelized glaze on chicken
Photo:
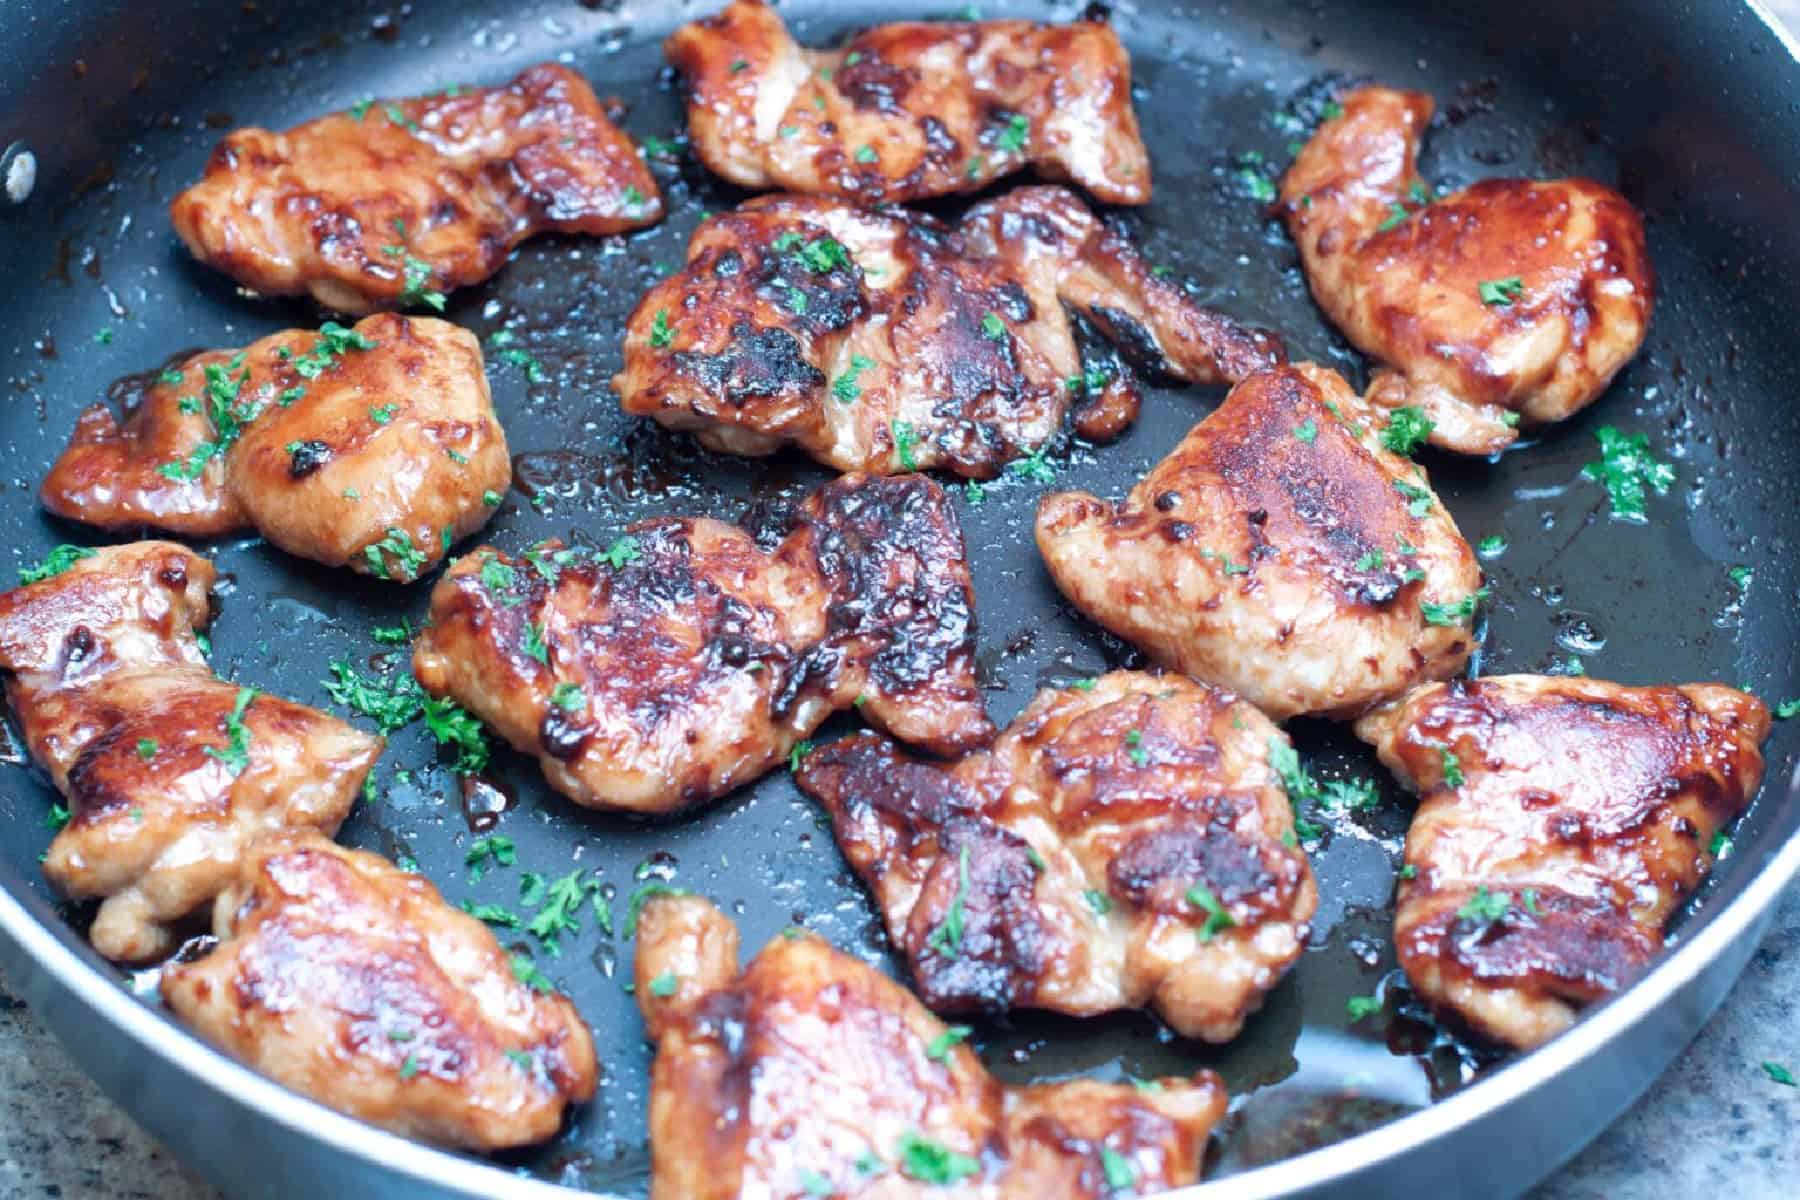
(886, 341)
(1123, 844)
(686, 659)
(812, 1074)
(1512, 301)
(351, 981)
(169, 772)
(911, 110)
(1561, 821)
(394, 202)
(1280, 551)
(374, 447)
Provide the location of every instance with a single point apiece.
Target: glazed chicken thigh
(886, 341)
(1123, 844)
(1561, 821)
(1512, 301)
(394, 202)
(1280, 551)
(169, 771)
(374, 447)
(686, 659)
(347, 979)
(911, 110)
(812, 1074)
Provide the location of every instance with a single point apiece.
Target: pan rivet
(18, 167)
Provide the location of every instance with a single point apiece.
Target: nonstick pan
(1690, 108)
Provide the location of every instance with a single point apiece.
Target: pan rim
(30, 941)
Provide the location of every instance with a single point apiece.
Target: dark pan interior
(98, 287)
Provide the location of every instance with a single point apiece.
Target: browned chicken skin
(1280, 551)
(1561, 821)
(349, 980)
(887, 341)
(374, 447)
(169, 771)
(395, 202)
(1513, 300)
(687, 659)
(1123, 844)
(812, 1074)
(913, 109)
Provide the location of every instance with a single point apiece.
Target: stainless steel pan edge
(256, 1140)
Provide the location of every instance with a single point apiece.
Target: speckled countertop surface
(1713, 1123)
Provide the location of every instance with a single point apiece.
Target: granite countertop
(1715, 1118)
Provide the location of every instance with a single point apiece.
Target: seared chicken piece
(351, 981)
(169, 771)
(886, 341)
(911, 110)
(1512, 301)
(812, 1074)
(394, 202)
(1125, 843)
(686, 659)
(374, 448)
(1561, 821)
(1280, 551)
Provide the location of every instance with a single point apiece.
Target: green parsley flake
(1491, 546)
(1460, 612)
(947, 938)
(1452, 767)
(623, 551)
(147, 748)
(1418, 498)
(1120, 1172)
(394, 557)
(1396, 217)
(381, 414)
(1501, 293)
(1299, 785)
(929, 1161)
(845, 388)
(660, 333)
(1012, 139)
(1359, 1007)
(1626, 468)
(568, 697)
(562, 900)
(57, 817)
(235, 754)
(866, 154)
(1485, 906)
(1407, 429)
(1780, 1074)
(492, 914)
(1099, 901)
(938, 1050)
(488, 852)
(1034, 466)
(1217, 916)
(55, 563)
(527, 973)
(992, 327)
(1307, 431)
(904, 442)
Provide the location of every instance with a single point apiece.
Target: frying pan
(1689, 107)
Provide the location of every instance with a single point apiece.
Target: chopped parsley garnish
(147, 748)
(487, 852)
(1459, 613)
(1307, 431)
(1034, 466)
(1120, 1172)
(397, 116)
(394, 556)
(1362, 1006)
(1485, 906)
(844, 388)
(1217, 917)
(866, 154)
(519, 1059)
(660, 333)
(929, 1161)
(663, 147)
(632, 197)
(360, 109)
(451, 725)
(1134, 742)
(939, 1048)
(381, 414)
(1371, 561)
(1396, 217)
(496, 576)
(663, 985)
(1491, 546)
(1418, 498)
(1501, 293)
(1530, 899)
(1787, 709)
(55, 563)
(976, 166)
(535, 645)
(415, 279)
(531, 889)
(235, 753)
(992, 327)
(491, 498)
(568, 697)
(947, 938)
(1409, 871)
(1720, 846)
(1406, 430)
(622, 552)
(1300, 786)
(57, 817)
(562, 900)
(410, 1067)
(1099, 901)
(527, 973)
(493, 914)
(1453, 772)
(104, 335)
(1626, 468)
(225, 412)
(392, 704)
(1012, 138)
(1780, 1074)
(797, 754)
(1352, 794)
(904, 442)
(1253, 174)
